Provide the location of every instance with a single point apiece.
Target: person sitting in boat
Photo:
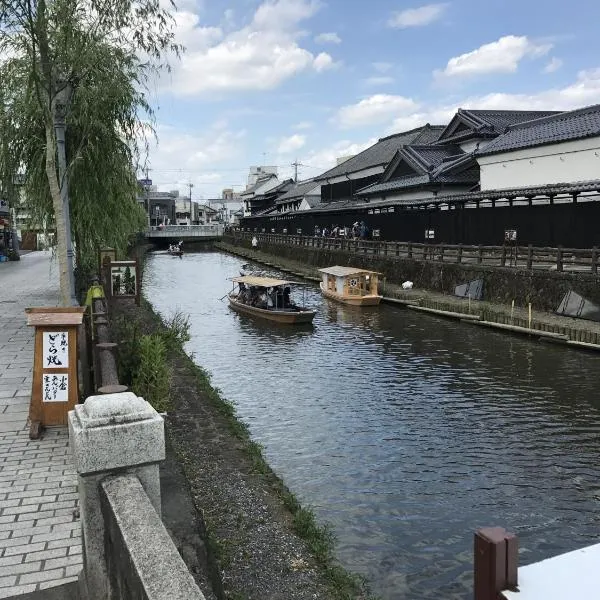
(287, 302)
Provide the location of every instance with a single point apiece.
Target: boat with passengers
(351, 285)
(268, 298)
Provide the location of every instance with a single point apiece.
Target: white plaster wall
(565, 162)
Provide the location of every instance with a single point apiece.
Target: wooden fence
(523, 257)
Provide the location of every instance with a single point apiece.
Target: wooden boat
(356, 287)
(267, 298)
(176, 250)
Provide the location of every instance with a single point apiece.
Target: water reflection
(404, 431)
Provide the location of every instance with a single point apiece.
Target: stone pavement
(40, 537)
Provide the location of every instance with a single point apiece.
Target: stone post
(109, 434)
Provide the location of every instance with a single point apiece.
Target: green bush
(176, 332)
(152, 379)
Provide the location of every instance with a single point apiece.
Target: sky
(271, 82)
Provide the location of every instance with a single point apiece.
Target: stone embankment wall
(502, 285)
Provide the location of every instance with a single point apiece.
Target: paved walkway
(40, 538)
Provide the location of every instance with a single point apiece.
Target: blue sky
(271, 81)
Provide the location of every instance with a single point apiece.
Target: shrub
(152, 378)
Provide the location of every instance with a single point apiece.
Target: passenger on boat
(287, 303)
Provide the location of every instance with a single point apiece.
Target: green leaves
(106, 52)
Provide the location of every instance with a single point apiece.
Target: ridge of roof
(571, 125)
(378, 154)
(592, 108)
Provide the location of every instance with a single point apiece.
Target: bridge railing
(509, 255)
(169, 231)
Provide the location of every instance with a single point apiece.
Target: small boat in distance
(176, 249)
(268, 298)
(350, 285)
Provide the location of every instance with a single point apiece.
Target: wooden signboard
(55, 387)
(124, 281)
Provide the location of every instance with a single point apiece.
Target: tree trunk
(59, 217)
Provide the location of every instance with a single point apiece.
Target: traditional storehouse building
(251, 197)
(343, 181)
(530, 173)
(303, 195)
(557, 149)
(423, 172)
(265, 202)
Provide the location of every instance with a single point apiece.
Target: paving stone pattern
(40, 536)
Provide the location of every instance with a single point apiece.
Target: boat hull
(370, 300)
(277, 316)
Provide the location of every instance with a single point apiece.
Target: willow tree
(82, 67)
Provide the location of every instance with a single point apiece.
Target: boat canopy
(266, 282)
(347, 271)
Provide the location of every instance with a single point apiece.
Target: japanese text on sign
(55, 388)
(56, 350)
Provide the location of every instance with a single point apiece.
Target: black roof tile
(299, 190)
(488, 123)
(561, 127)
(379, 154)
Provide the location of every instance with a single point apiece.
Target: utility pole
(190, 185)
(147, 190)
(296, 164)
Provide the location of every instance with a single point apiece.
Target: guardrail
(523, 257)
(171, 231)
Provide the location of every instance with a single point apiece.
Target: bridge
(187, 233)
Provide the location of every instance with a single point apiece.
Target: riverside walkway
(40, 535)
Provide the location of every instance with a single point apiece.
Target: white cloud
(303, 125)
(181, 157)
(585, 90)
(417, 17)
(382, 67)
(323, 61)
(258, 56)
(376, 81)
(378, 108)
(553, 65)
(291, 144)
(501, 56)
(324, 159)
(328, 38)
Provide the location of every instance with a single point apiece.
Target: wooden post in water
(512, 312)
(530, 315)
(559, 259)
(495, 563)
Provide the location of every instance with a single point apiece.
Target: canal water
(403, 431)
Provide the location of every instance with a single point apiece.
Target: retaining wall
(544, 289)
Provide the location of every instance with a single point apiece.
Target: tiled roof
(395, 184)
(441, 165)
(430, 157)
(260, 181)
(488, 123)
(299, 190)
(379, 154)
(572, 125)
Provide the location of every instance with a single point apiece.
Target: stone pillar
(112, 433)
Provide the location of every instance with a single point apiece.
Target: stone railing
(186, 231)
(118, 443)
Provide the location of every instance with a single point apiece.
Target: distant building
(229, 195)
(252, 197)
(257, 173)
(158, 206)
